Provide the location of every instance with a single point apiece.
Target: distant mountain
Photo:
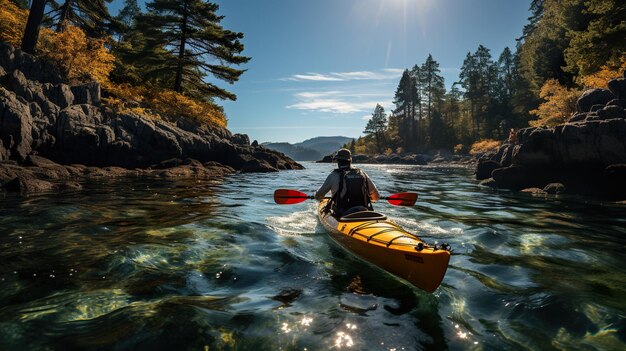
(295, 152)
(311, 149)
(325, 145)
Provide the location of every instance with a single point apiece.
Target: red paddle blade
(402, 199)
(289, 197)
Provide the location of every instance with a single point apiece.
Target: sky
(319, 67)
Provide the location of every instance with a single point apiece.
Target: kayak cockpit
(363, 216)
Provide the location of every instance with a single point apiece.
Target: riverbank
(586, 155)
(72, 128)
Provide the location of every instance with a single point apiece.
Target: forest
(164, 61)
(566, 47)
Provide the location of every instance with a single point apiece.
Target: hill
(311, 149)
(325, 145)
(295, 152)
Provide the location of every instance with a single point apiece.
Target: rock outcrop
(40, 114)
(586, 155)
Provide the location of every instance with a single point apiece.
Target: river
(186, 265)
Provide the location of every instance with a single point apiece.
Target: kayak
(378, 240)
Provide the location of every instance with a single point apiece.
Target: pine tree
(376, 126)
(196, 45)
(602, 42)
(433, 85)
(406, 101)
(92, 16)
(126, 17)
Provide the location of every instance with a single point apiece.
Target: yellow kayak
(378, 240)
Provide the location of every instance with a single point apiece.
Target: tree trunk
(65, 13)
(178, 83)
(31, 32)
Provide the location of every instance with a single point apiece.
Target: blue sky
(319, 67)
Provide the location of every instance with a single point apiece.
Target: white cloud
(338, 102)
(314, 77)
(387, 73)
(366, 117)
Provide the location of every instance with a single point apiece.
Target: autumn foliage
(558, 106)
(12, 22)
(484, 145)
(609, 71)
(155, 104)
(81, 58)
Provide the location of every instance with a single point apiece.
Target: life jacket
(357, 191)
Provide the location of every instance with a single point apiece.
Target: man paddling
(352, 190)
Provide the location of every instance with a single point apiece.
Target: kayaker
(352, 190)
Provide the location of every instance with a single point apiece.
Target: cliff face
(39, 114)
(585, 155)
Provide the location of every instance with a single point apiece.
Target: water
(186, 265)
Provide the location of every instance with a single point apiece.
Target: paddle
(290, 197)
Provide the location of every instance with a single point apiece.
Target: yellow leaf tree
(558, 106)
(81, 58)
(12, 22)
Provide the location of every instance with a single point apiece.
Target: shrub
(388, 151)
(558, 106)
(460, 149)
(153, 103)
(80, 58)
(12, 23)
(484, 145)
(607, 72)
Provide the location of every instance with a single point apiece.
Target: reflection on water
(130, 264)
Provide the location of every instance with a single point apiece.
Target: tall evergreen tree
(376, 126)
(406, 101)
(190, 31)
(433, 85)
(92, 16)
(126, 17)
(602, 42)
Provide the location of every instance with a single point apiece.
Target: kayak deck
(387, 245)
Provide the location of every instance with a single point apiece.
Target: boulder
(490, 182)
(617, 102)
(33, 68)
(554, 188)
(26, 183)
(326, 159)
(516, 177)
(257, 166)
(611, 111)
(578, 117)
(4, 153)
(593, 97)
(615, 176)
(59, 94)
(88, 93)
(533, 191)
(240, 139)
(596, 107)
(16, 125)
(618, 87)
(485, 167)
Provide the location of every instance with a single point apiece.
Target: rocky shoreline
(441, 158)
(586, 155)
(50, 130)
